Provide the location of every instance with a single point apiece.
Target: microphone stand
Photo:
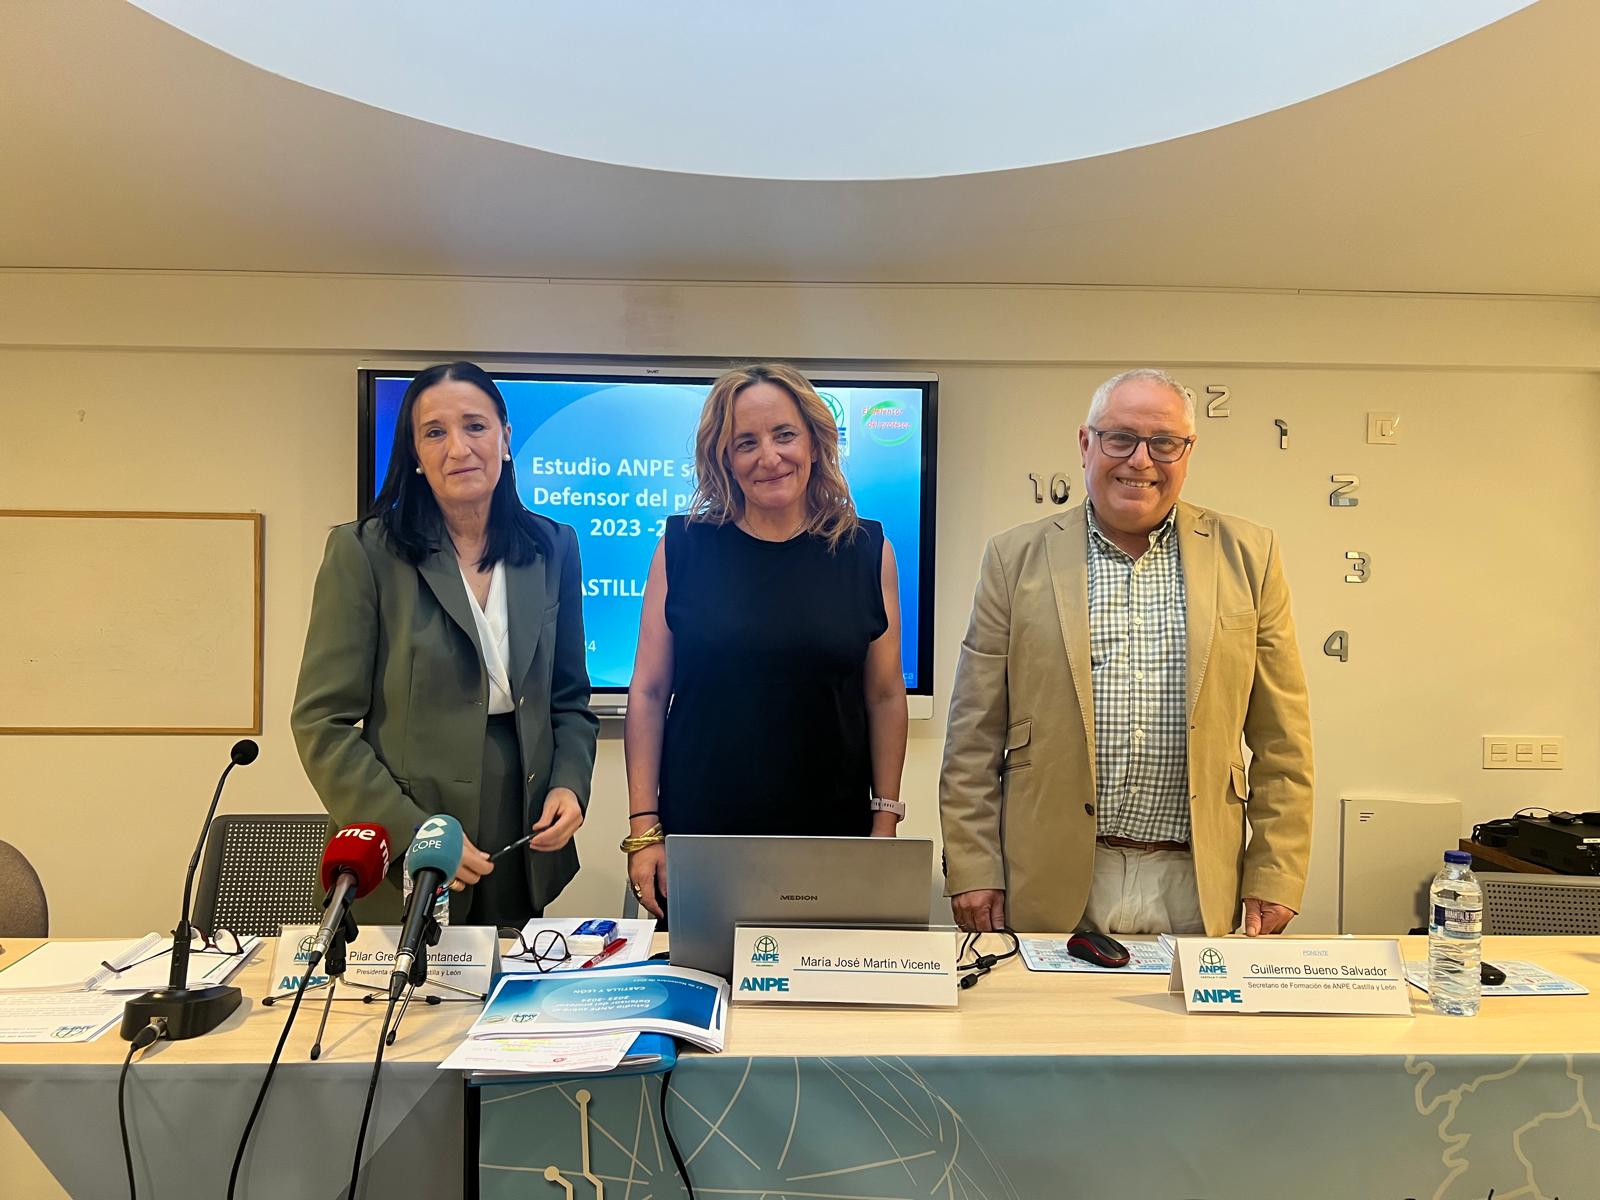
(178, 1010)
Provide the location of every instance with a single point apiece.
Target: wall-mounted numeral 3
(1060, 488)
(1360, 566)
(1340, 497)
(1338, 645)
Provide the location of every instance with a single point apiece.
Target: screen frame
(611, 700)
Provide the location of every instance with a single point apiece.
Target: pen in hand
(521, 841)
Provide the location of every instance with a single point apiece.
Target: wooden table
(1024, 1052)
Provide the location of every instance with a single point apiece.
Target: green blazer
(391, 708)
(1018, 788)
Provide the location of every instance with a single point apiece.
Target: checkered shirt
(1139, 646)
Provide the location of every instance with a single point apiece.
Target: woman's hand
(647, 875)
(559, 821)
(474, 866)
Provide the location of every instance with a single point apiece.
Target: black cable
(366, 1111)
(672, 1142)
(261, 1096)
(982, 964)
(145, 1037)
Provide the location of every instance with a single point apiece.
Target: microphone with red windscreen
(355, 862)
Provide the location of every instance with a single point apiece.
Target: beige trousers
(1143, 891)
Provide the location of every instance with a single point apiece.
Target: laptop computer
(715, 881)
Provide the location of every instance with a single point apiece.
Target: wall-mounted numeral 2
(1360, 566)
(1060, 488)
(1340, 497)
(1217, 405)
(1338, 645)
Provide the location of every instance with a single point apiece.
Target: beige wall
(174, 391)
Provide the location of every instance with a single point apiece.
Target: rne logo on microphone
(352, 831)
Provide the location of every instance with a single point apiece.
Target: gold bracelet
(653, 836)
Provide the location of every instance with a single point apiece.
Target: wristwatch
(897, 807)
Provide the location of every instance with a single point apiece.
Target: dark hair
(406, 511)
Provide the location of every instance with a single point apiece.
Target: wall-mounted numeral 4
(1338, 645)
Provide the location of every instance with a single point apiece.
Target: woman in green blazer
(444, 663)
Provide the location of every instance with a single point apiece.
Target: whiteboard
(130, 622)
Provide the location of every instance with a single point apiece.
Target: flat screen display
(612, 455)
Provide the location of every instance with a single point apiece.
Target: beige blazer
(1017, 793)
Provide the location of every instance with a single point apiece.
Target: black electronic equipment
(1568, 847)
(179, 1011)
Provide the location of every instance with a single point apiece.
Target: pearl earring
(505, 458)
(419, 470)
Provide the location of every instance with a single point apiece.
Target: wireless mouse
(1491, 975)
(1098, 948)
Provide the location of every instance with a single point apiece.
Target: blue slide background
(614, 460)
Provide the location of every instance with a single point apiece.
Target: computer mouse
(1098, 948)
(1491, 975)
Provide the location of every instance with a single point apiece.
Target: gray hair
(1102, 394)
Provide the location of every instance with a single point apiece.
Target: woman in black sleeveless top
(772, 625)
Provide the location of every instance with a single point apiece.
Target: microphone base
(188, 1012)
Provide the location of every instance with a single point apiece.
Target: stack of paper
(635, 937)
(597, 1021)
(67, 992)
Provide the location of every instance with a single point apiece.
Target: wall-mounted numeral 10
(1060, 488)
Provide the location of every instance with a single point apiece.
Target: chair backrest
(23, 909)
(1525, 903)
(261, 873)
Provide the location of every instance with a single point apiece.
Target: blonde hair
(718, 499)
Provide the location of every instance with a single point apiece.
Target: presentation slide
(614, 459)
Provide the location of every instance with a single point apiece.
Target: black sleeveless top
(767, 732)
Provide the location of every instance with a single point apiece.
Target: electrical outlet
(1524, 752)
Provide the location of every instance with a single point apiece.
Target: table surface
(1013, 1011)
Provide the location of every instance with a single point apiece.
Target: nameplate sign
(775, 964)
(464, 965)
(1290, 975)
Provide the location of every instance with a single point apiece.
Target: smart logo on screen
(887, 423)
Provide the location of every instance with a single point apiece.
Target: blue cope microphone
(431, 861)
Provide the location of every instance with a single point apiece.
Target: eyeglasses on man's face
(1164, 447)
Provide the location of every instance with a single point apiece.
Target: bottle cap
(1457, 856)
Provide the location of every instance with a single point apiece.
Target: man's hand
(983, 910)
(1263, 916)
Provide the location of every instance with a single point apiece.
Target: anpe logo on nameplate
(777, 964)
(467, 959)
(1291, 975)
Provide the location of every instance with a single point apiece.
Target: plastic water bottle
(1455, 937)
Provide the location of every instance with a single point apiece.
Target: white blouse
(494, 635)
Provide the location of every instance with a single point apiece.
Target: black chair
(23, 909)
(260, 873)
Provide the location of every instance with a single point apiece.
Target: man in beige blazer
(1117, 656)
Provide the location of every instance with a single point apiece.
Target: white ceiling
(831, 89)
(1473, 168)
